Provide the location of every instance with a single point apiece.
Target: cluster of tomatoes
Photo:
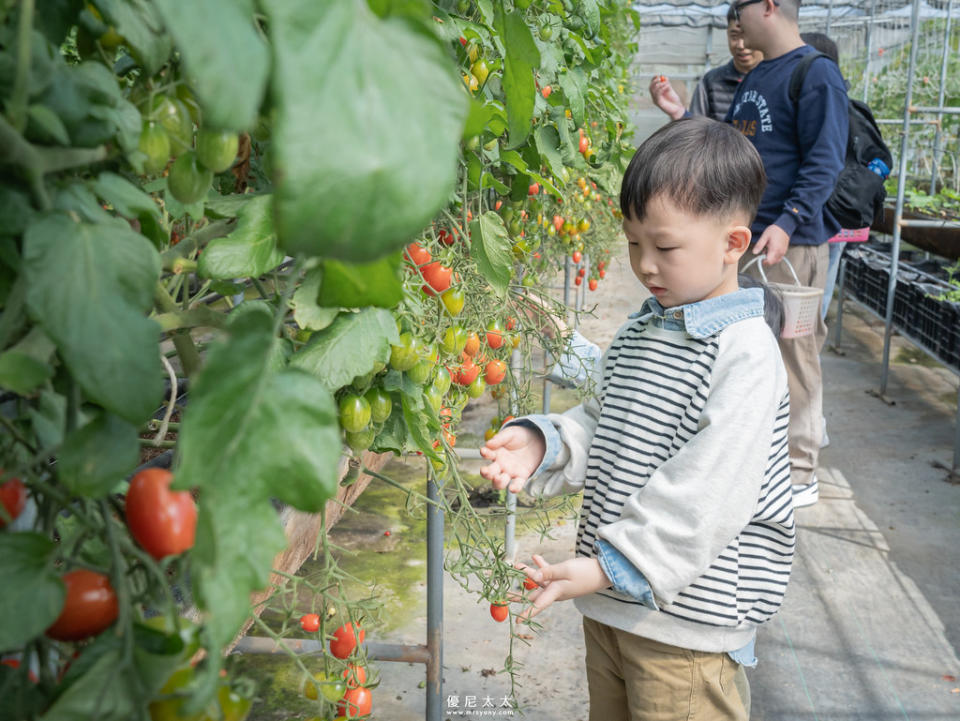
(168, 133)
(348, 689)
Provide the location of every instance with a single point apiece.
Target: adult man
(714, 93)
(802, 145)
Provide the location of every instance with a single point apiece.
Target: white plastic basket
(801, 303)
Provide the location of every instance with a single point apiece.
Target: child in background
(686, 532)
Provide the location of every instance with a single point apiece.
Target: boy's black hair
(731, 13)
(823, 43)
(772, 305)
(703, 166)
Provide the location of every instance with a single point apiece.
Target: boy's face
(744, 59)
(684, 258)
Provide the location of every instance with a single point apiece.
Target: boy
(686, 531)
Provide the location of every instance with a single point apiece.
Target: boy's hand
(665, 97)
(514, 454)
(562, 581)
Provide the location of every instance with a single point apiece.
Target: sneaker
(806, 494)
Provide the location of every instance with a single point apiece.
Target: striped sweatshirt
(683, 464)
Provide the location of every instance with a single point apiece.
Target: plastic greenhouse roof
(704, 13)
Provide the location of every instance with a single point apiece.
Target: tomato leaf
(227, 60)
(354, 285)
(142, 29)
(48, 416)
(250, 250)
(21, 374)
(131, 202)
(251, 434)
(416, 422)
(89, 287)
(31, 591)
(96, 457)
(349, 347)
(338, 79)
(306, 311)
(491, 249)
(574, 83)
(393, 435)
(521, 60)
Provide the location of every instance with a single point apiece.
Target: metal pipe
(934, 109)
(829, 17)
(842, 282)
(708, 49)
(941, 96)
(510, 529)
(956, 437)
(913, 121)
(901, 191)
(918, 223)
(434, 602)
(866, 71)
(264, 645)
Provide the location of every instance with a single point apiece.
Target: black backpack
(857, 198)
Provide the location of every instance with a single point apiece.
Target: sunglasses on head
(739, 6)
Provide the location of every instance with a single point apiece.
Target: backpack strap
(799, 74)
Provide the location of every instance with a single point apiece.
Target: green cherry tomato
(185, 95)
(189, 181)
(331, 687)
(546, 32)
(453, 300)
(233, 706)
(406, 354)
(477, 388)
(155, 144)
(480, 71)
(167, 709)
(217, 149)
(434, 396)
(173, 115)
(454, 340)
(380, 404)
(420, 373)
(361, 440)
(354, 413)
(443, 380)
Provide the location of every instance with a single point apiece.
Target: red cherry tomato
(584, 144)
(466, 373)
(577, 256)
(346, 638)
(602, 273)
(494, 335)
(495, 372)
(534, 189)
(499, 611)
(592, 284)
(472, 345)
(437, 276)
(164, 522)
(582, 272)
(310, 622)
(91, 606)
(355, 675)
(546, 91)
(529, 584)
(418, 255)
(356, 702)
(13, 496)
(578, 280)
(447, 237)
(662, 79)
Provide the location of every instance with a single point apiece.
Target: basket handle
(764, 275)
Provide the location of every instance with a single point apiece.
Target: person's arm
(702, 498)
(823, 123)
(665, 97)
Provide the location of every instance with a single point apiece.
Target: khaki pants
(631, 678)
(801, 356)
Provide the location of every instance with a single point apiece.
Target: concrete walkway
(871, 624)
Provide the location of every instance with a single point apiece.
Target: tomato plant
(164, 522)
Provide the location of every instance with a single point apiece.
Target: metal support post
(708, 49)
(901, 191)
(940, 100)
(829, 17)
(510, 529)
(838, 324)
(435, 518)
(866, 70)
